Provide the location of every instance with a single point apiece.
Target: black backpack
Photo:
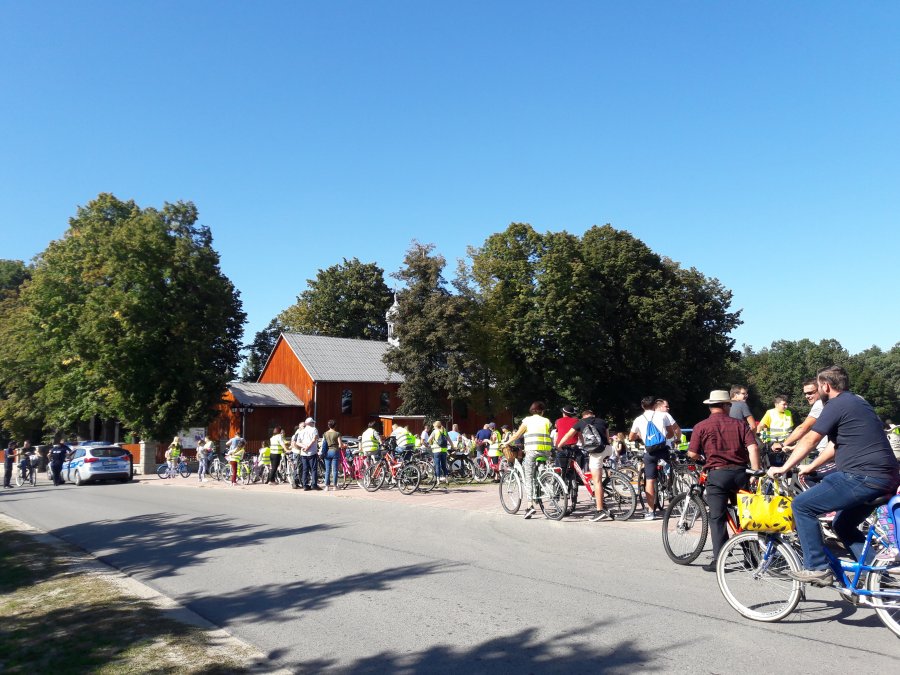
(442, 439)
(591, 439)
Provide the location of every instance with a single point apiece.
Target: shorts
(650, 460)
(595, 460)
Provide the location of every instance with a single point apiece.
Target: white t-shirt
(662, 420)
(307, 440)
(814, 412)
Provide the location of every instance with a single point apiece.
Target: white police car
(87, 463)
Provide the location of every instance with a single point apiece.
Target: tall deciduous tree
(431, 325)
(128, 316)
(13, 274)
(348, 300)
(599, 320)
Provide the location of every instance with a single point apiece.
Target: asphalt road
(347, 582)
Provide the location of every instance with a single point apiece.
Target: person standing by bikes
(730, 448)
(309, 455)
(277, 447)
(536, 430)
(204, 448)
(9, 463)
(332, 441)
(653, 428)
(595, 442)
(866, 470)
(234, 457)
(439, 441)
(173, 453)
(57, 456)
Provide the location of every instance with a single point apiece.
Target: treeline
(128, 317)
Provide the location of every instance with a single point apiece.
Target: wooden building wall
(285, 368)
(365, 405)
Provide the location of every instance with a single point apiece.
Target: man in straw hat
(730, 448)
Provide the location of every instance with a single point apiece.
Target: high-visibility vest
(436, 440)
(174, 451)
(276, 444)
(780, 424)
(494, 445)
(265, 455)
(537, 434)
(368, 442)
(683, 444)
(236, 455)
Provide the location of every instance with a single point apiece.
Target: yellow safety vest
(537, 434)
(276, 444)
(265, 455)
(436, 447)
(174, 451)
(367, 442)
(494, 445)
(780, 424)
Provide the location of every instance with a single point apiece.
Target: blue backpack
(655, 438)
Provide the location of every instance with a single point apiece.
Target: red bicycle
(619, 496)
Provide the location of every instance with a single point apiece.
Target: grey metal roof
(264, 395)
(331, 359)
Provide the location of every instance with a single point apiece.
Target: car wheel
(78, 480)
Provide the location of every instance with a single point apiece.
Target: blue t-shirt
(485, 435)
(861, 446)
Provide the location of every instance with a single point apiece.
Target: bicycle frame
(850, 586)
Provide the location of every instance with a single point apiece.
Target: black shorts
(650, 460)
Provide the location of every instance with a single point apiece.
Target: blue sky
(758, 142)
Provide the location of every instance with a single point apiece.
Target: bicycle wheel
(480, 469)
(215, 469)
(320, 470)
(511, 492)
(752, 571)
(685, 528)
(408, 478)
(619, 497)
(343, 479)
(375, 476)
(572, 492)
(183, 470)
(226, 473)
(162, 471)
(553, 494)
(429, 479)
(19, 479)
(888, 610)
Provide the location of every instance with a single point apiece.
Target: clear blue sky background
(758, 142)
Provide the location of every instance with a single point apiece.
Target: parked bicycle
(550, 490)
(180, 469)
(390, 471)
(619, 496)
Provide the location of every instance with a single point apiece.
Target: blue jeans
(440, 464)
(846, 493)
(202, 468)
(331, 467)
(310, 470)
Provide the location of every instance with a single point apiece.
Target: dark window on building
(385, 402)
(346, 402)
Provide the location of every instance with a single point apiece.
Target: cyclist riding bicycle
(536, 430)
(866, 471)
(729, 447)
(776, 425)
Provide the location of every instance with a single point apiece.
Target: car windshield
(108, 452)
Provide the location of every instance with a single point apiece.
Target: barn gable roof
(331, 359)
(264, 395)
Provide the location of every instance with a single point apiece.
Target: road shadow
(288, 601)
(159, 544)
(579, 651)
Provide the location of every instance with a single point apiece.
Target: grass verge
(57, 617)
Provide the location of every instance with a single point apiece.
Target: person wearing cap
(9, 463)
(308, 440)
(482, 439)
(730, 448)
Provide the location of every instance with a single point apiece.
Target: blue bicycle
(752, 571)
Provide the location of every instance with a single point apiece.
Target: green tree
(13, 273)
(348, 300)
(433, 354)
(128, 316)
(599, 320)
(259, 351)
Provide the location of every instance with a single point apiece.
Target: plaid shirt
(724, 441)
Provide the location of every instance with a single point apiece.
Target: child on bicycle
(173, 453)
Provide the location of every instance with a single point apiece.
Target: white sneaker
(650, 516)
